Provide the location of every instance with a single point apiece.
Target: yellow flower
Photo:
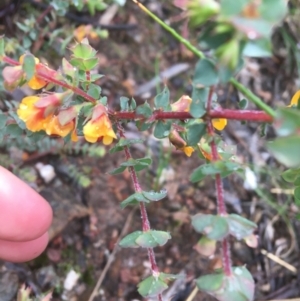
(53, 127)
(99, 127)
(295, 99)
(37, 112)
(219, 123)
(35, 82)
(179, 143)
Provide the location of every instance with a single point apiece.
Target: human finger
(22, 251)
(24, 214)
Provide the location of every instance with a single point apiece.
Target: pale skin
(24, 220)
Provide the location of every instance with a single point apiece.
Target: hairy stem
(144, 215)
(220, 193)
(252, 97)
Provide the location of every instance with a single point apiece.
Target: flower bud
(228, 54)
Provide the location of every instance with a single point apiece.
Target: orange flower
(37, 112)
(295, 99)
(205, 150)
(188, 150)
(14, 76)
(54, 127)
(99, 127)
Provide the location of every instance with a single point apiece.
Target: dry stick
(220, 192)
(145, 220)
(111, 256)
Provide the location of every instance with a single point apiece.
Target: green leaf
(287, 121)
(164, 276)
(84, 64)
(214, 227)
(142, 163)
(224, 168)
(132, 106)
(291, 175)
(124, 142)
(239, 226)
(206, 246)
(162, 100)
(210, 283)
(130, 162)
(124, 103)
(232, 7)
(199, 98)
(286, 150)
(3, 119)
(239, 286)
(129, 240)
(194, 132)
(151, 286)
(2, 46)
(134, 199)
(243, 104)
(297, 195)
(83, 51)
(162, 129)
(273, 10)
(153, 238)
(13, 130)
(155, 196)
(94, 91)
(205, 74)
(28, 66)
(144, 110)
(117, 170)
(258, 48)
(297, 181)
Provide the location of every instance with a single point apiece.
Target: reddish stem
(246, 115)
(10, 61)
(144, 215)
(220, 192)
(43, 14)
(76, 90)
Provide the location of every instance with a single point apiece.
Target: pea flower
(37, 111)
(54, 127)
(183, 105)
(295, 99)
(15, 76)
(99, 127)
(179, 143)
